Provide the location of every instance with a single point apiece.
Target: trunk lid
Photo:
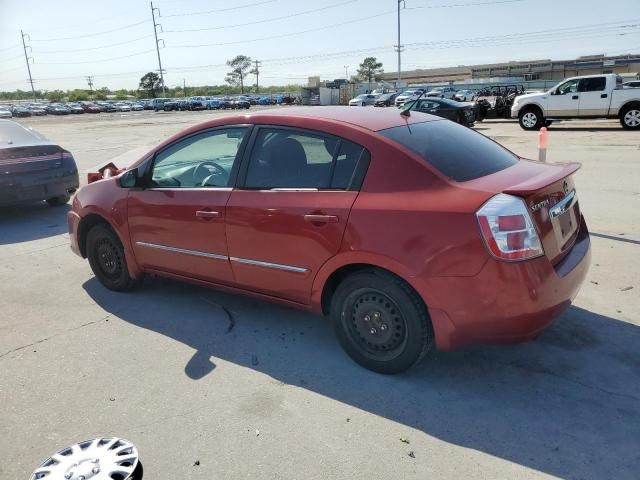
(549, 194)
(28, 159)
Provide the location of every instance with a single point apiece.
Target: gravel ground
(276, 397)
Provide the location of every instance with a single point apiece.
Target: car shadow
(33, 221)
(564, 405)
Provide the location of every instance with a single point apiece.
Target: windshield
(457, 152)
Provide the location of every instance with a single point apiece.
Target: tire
(107, 259)
(531, 119)
(548, 123)
(630, 117)
(58, 201)
(380, 322)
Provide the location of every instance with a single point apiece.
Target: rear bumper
(32, 187)
(506, 302)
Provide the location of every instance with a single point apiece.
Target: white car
(591, 96)
(465, 96)
(363, 100)
(5, 112)
(122, 107)
(406, 95)
(442, 92)
(136, 107)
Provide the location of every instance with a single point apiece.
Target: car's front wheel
(107, 259)
(381, 322)
(531, 119)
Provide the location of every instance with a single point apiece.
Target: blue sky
(71, 38)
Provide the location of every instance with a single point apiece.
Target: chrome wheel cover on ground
(98, 459)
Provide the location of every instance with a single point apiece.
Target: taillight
(507, 229)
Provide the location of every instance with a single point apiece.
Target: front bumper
(37, 186)
(506, 302)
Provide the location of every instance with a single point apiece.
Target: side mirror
(129, 179)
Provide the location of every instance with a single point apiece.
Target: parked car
(407, 95)
(411, 232)
(241, 103)
(465, 96)
(386, 99)
(33, 168)
(265, 101)
(214, 104)
(37, 110)
(137, 107)
(5, 111)
(445, 108)
(157, 103)
(20, 111)
(442, 92)
(170, 105)
(74, 108)
(57, 109)
(632, 84)
(198, 103)
(592, 96)
(109, 107)
(122, 107)
(363, 100)
(90, 107)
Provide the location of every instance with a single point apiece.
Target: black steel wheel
(107, 259)
(381, 322)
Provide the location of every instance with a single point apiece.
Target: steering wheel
(202, 173)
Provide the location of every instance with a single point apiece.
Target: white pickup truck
(593, 96)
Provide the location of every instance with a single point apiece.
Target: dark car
(169, 105)
(386, 99)
(226, 103)
(19, 111)
(57, 109)
(241, 102)
(37, 110)
(445, 108)
(411, 232)
(91, 108)
(32, 168)
(75, 108)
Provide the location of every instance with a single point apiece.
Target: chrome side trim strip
(196, 253)
(278, 266)
(563, 205)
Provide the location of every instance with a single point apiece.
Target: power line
(266, 20)
(97, 61)
(126, 42)
(205, 12)
(95, 34)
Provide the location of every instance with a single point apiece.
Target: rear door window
(596, 84)
(455, 151)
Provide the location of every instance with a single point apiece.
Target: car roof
(369, 118)
(13, 134)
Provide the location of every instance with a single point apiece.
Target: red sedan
(410, 231)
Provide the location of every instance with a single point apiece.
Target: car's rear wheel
(58, 201)
(107, 259)
(531, 119)
(381, 322)
(630, 117)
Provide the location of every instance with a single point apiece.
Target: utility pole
(155, 32)
(184, 88)
(26, 57)
(346, 72)
(256, 71)
(399, 45)
(90, 83)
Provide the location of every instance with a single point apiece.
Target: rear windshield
(457, 152)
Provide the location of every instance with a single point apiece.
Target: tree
(370, 69)
(151, 82)
(55, 95)
(239, 69)
(101, 94)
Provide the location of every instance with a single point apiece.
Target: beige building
(529, 70)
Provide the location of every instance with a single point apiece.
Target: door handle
(321, 218)
(207, 214)
(604, 95)
(575, 97)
